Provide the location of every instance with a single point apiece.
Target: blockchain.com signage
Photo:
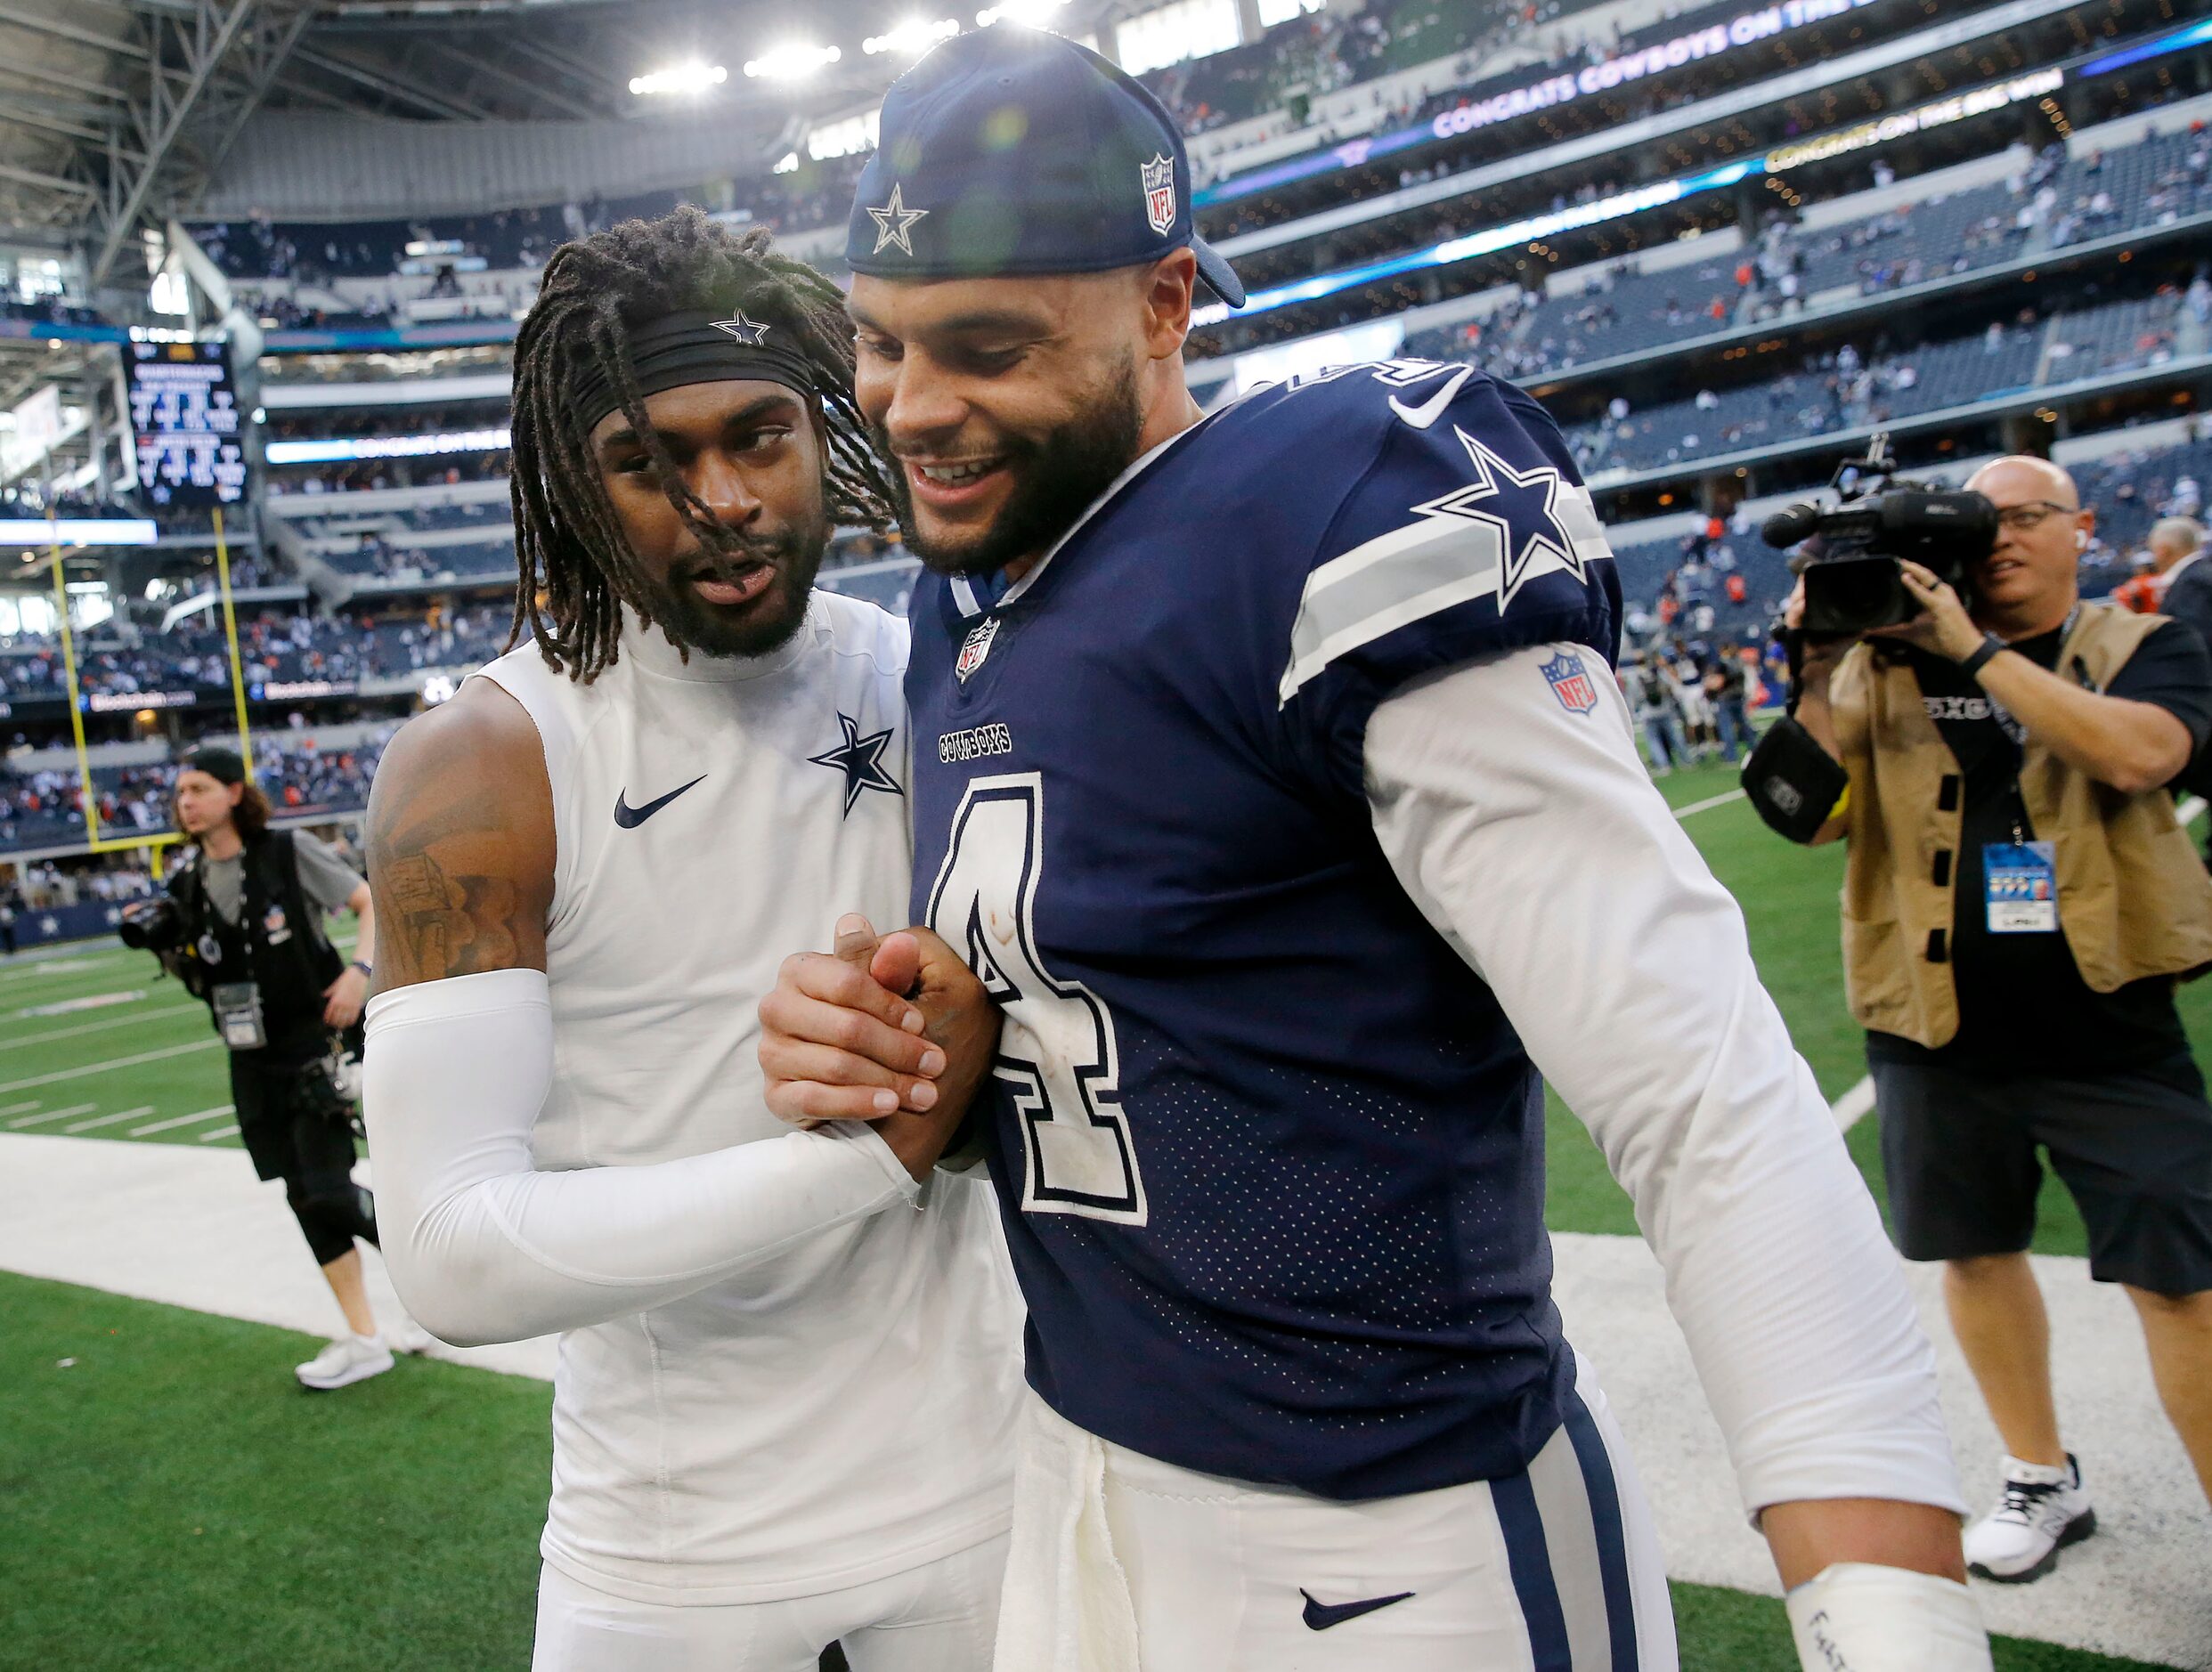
(1744, 29)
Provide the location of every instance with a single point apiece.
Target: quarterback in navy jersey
(1272, 779)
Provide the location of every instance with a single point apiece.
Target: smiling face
(1010, 404)
(751, 453)
(2028, 582)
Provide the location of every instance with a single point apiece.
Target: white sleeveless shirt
(842, 1412)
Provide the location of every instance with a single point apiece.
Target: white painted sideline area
(192, 1228)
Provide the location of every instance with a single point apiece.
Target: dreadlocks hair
(576, 568)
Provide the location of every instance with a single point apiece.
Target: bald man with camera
(2018, 904)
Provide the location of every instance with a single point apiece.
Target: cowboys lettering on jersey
(1267, 1142)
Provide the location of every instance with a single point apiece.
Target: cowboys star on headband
(689, 347)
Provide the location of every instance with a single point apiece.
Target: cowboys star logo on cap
(1160, 194)
(892, 223)
(747, 332)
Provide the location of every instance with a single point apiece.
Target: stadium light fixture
(913, 37)
(693, 78)
(1036, 14)
(792, 63)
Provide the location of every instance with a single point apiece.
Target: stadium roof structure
(114, 114)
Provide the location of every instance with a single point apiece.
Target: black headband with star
(692, 347)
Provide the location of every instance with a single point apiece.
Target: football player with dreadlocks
(787, 1363)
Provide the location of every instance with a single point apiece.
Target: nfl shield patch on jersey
(1571, 683)
(975, 647)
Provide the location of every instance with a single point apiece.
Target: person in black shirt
(251, 902)
(2040, 1059)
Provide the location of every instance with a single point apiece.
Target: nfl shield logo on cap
(1160, 194)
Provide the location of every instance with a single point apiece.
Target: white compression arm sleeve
(1529, 835)
(484, 1247)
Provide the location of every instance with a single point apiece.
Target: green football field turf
(172, 1500)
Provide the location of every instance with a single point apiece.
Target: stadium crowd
(46, 806)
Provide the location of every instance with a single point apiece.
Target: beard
(759, 626)
(1055, 479)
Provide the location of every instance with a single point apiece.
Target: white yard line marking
(220, 1131)
(94, 1027)
(184, 1120)
(1710, 801)
(1854, 1105)
(58, 966)
(56, 1115)
(2188, 808)
(110, 1120)
(18, 1108)
(103, 1068)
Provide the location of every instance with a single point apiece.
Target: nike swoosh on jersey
(1429, 411)
(1322, 1616)
(630, 817)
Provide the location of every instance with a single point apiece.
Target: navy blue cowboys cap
(1013, 150)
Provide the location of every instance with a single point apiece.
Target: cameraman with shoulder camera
(241, 927)
(2018, 905)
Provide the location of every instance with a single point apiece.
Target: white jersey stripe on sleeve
(1380, 586)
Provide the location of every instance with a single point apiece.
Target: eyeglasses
(2018, 519)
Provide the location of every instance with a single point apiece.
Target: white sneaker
(2043, 1511)
(406, 1335)
(348, 1359)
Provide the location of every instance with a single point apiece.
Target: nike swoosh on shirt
(1429, 411)
(630, 817)
(1322, 1616)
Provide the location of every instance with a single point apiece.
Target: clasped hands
(894, 1030)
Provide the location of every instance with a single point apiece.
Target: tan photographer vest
(2133, 898)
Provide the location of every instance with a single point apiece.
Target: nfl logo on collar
(975, 647)
(1160, 194)
(1570, 682)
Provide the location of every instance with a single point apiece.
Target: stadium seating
(46, 809)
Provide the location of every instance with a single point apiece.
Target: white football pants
(937, 1618)
(1556, 1569)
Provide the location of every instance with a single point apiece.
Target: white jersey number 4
(1057, 1053)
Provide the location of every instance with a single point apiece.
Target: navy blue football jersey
(1271, 1156)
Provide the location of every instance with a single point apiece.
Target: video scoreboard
(184, 417)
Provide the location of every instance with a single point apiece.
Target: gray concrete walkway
(194, 1228)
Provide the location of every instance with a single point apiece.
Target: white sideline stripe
(103, 1068)
(1709, 802)
(17, 1108)
(94, 1027)
(110, 1120)
(220, 1131)
(56, 1115)
(182, 1120)
(2188, 808)
(1854, 1105)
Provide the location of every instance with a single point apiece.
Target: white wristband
(1859, 1616)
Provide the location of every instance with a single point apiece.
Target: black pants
(1960, 1149)
(294, 1133)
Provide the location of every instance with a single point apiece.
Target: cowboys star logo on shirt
(1160, 194)
(975, 647)
(1523, 506)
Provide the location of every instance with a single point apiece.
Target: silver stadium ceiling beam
(206, 66)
